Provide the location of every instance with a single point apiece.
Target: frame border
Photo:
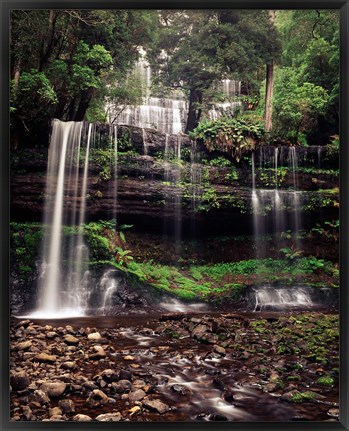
(343, 7)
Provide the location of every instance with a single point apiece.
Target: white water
(268, 203)
(169, 114)
(281, 298)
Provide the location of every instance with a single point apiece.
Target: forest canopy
(68, 64)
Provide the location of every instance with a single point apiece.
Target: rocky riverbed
(177, 367)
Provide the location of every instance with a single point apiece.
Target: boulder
(156, 406)
(19, 381)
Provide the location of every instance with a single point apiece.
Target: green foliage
(209, 201)
(297, 104)
(33, 97)
(325, 380)
(220, 161)
(229, 135)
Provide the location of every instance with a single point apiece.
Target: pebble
(44, 357)
(156, 406)
(53, 389)
(95, 336)
(138, 395)
(19, 381)
(67, 406)
(82, 418)
(109, 417)
(70, 340)
(99, 353)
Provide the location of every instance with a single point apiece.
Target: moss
(325, 380)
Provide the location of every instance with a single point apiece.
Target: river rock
(109, 417)
(54, 411)
(217, 417)
(138, 395)
(125, 375)
(95, 336)
(19, 381)
(81, 418)
(40, 397)
(67, 406)
(53, 389)
(51, 334)
(69, 365)
(44, 357)
(270, 387)
(109, 375)
(97, 398)
(179, 389)
(99, 353)
(70, 340)
(23, 345)
(156, 406)
(333, 413)
(220, 350)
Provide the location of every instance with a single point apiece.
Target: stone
(109, 375)
(53, 389)
(220, 350)
(44, 357)
(70, 340)
(179, 389)
(51, 334)
(97, 398)
(333, 413)
(23, 345)
(99, 353)
(54, 411)
(81, 418)
(125, 375)
(95, 336)
(40, 397)
(138, 395)
(19, 381)
(270, 387)
(67, 406)
(69, 365)
(156, 406)
(134, 410)
(129, 358)
(109, 417)
(126, 384)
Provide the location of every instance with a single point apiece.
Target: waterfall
(178, 198)
(108, 285)
(275, 201)
(267, 297)
(296, 196)
(115, 194)
(145, 145)
(62, 289)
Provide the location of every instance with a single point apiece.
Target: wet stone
(70, 340)
(19, 380)
(156, 406)
(109, 417)
(53, 389)
(179, 389)
(40, 397)
(137, 395)
(44, 357)
(67, 406)
(333, 413)
(99, 353)
(55, 411)
(95, 336)
(82, 418)
(23, 345)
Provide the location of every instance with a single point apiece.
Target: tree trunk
(85, 100)
(269, 96)
(269, 83)
(194, 112)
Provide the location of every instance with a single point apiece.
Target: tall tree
(197, 48)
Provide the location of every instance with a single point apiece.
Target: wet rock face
(186, 367)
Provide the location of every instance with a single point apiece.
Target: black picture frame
(343, 6)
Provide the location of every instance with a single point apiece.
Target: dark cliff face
(203, 191)
(146, 199)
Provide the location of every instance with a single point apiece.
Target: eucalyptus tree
(195, 48)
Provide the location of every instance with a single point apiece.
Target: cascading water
(267, 297)
(62, 289)
(108, 285)
(169, 114)
(275, 201)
